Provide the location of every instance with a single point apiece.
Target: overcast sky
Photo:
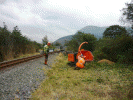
(58, 18)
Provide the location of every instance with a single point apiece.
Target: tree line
(115, 45)
(13, 44)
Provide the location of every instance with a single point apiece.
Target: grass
(24, 55)
(27, 55)
(95, 82)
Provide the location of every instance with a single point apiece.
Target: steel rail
(21, 60)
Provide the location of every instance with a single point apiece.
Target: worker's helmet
(48, 43)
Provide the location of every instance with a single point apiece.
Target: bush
(121, 58)
(80, 37)
(100, 44)
(98, 55)
(120, 50)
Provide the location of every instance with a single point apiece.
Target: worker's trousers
(46, 59)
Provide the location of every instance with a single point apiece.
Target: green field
(94, 82)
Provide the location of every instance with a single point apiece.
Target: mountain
(96, 31)
(63, 39)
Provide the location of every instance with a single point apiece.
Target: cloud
(57, 18)
(2, 1)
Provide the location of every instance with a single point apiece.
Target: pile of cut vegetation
(106, 61)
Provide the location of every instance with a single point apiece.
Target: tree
(16, 35)
(5, 43)
(45, 40)
(37, 46)
(4, 37)
(17, 40)
(113, 31)
(118, 48)
(57, 44)
(80, 37)
(13, 44)
(72, 45)
(128, 14)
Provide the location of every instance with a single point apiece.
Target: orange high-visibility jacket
(80, 62)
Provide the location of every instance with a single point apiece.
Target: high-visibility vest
(80, 62)
(46, 49)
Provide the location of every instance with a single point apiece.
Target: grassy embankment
(94, 82)
(27, 55)
(23, 55)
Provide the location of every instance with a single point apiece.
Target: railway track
(20, 80)
(21, 60)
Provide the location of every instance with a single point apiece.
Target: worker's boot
(45, 62)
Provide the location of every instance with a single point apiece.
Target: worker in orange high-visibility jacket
(81, 62)
(46, 51)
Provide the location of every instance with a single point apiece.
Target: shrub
(120, 49)
(98, 55)
(80, 37)
(100, 44)
(121, 58)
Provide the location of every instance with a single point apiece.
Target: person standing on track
(46, 51)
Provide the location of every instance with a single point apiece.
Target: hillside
(63, 39)
(97, 31)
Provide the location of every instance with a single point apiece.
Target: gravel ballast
(22, 79)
